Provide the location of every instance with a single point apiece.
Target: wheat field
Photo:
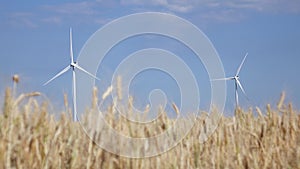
(30, 137)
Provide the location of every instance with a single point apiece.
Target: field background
(30, 137)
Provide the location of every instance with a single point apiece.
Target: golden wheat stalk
(107, 92)
(176, 109)
(95, 98)
(119, 88)
(281, 100)
(16, 80)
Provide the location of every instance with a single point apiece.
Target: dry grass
(31, 138)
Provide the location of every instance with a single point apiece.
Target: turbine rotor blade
(57, 75)
(74, 97)
(236, 94)
(71, 46)
(227, 78)
(240, 67)
(241, 87)
(80, 68)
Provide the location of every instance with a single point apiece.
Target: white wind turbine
(72, 66)
(237, 82)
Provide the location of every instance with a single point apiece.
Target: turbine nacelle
(73, 65)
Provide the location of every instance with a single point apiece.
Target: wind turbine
(238, 84)
(72, 66)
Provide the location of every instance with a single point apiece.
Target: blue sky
(35, 42)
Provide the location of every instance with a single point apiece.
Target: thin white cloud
(82, 8)
(219, 10)
(87, 12)
(178, 8)
(101, 11)
(222, 16)
(20, 19)
(83, 12)
(102, 21)
(235, 10)
(274, 6)
(174, 6)
(52, 20)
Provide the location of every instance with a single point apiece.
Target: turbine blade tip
(45, 83)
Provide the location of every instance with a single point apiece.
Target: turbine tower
(237, 84)
(72, 66)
